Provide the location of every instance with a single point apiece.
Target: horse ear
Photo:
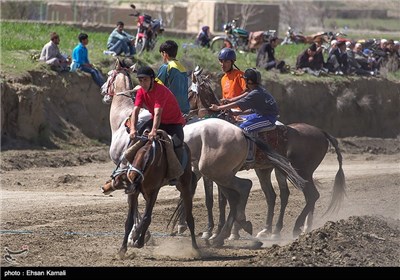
(118, 64)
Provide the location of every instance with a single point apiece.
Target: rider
(264, 107)
(163, 107)
(173, 75)
(232, 84)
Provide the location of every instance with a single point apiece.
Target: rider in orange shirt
(232, 83)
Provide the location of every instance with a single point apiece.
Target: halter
(130, 167)
(113, 75)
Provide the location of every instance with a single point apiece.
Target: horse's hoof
(248, 227)
(182, 229)
(147, 237)
(264, 234)
(121, 254)
(234, 236)
(217, 243)
(137, 244)
(213, 236)
(206, 235)
(275, 236)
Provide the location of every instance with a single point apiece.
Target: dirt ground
(52, 205)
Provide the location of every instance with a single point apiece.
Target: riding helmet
(253, 75)
(146, 71)
(227, 54)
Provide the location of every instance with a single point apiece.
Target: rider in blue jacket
(263, 107)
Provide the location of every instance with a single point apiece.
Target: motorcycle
(148, 30)
(238, 38)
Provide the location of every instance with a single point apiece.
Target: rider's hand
(152, 134)
(214, 107)
(133, 134)
(225, 101)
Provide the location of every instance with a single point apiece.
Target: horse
(119, 87)
(146, 173)
(305, 146)
(219, 150)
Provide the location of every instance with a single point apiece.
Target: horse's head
(131, 177)
(117, 182)
(201, 95)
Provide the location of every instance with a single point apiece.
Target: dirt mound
(356, 241)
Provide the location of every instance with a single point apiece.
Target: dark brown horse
(146, 174)
(305, 146)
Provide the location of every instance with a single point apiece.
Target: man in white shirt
(52, 56)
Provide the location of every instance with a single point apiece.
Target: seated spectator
(364, 59)
(337, 58)
(266, 56)
(311, 60)
(80, 60)
(120, 41)
(204, 37)
(52, 56)
(354, 65)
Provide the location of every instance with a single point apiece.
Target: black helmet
(253, 75)
(146, 71)
(227, 54)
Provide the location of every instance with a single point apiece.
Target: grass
(28, 39)
(367, 23)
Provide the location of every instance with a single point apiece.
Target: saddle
(275, 137)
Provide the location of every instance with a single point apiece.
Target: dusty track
(62, 216)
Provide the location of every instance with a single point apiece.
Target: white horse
(120, 90)
(218, 151)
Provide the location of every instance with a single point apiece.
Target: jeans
(97, 77)
(123, 47)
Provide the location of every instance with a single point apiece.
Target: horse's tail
(339, 187)
(176, 216)
(280, 162)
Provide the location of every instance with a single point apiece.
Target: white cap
(348, 43)
(396, 42)
(333, 42)
(383, 41)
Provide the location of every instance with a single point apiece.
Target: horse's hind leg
(208, 190)
(233, 200)
(284, 196)
(222, 208)
(264, 176)
(186, 185)
(311, 195)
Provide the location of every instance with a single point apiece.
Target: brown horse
(305, 146)
(146, 174)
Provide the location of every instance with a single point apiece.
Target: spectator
(354, 65)
(173, 75)
(204, 37)
(311, 60)
(266, 56)
(120, 41)
(80, 60)
(337, 58)
(52, 56)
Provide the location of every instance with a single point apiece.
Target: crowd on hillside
(344, 57)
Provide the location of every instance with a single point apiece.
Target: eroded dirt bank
(48, 109)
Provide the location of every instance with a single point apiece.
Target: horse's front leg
(130, 219)
(145, 223)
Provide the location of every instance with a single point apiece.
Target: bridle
(130, 167)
